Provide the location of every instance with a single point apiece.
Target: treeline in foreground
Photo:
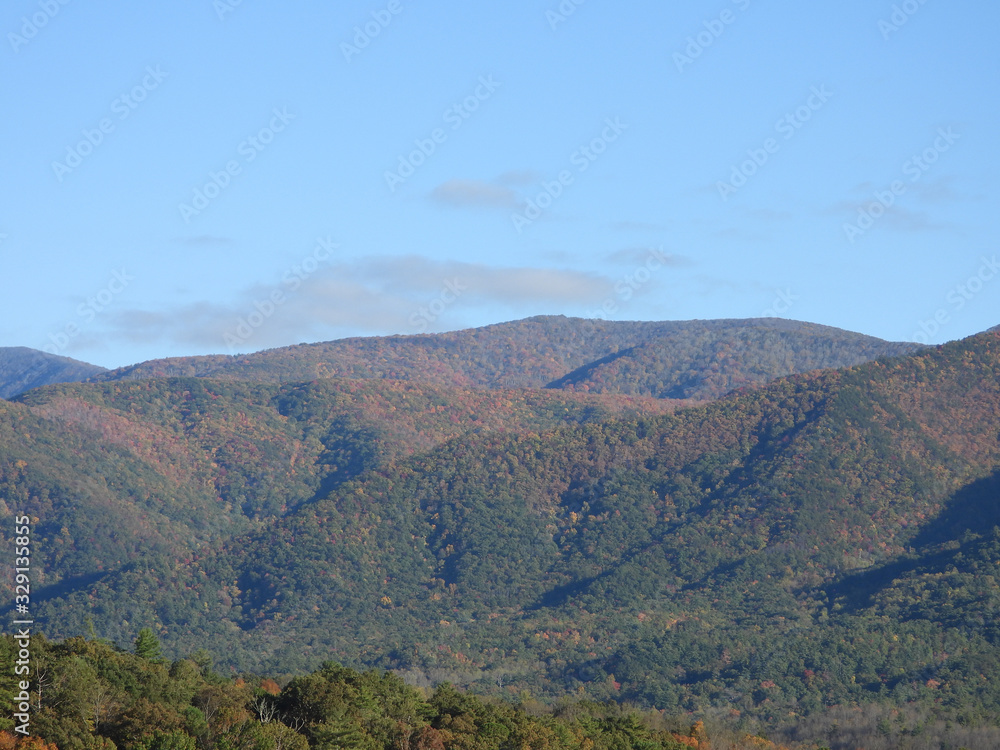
(88, 694)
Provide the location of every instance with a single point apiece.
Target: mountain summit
(22, 369)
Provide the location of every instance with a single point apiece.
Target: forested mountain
(828, 539)
(698, 359)
(22, 369)
(157, 469)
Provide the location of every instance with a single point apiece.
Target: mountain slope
(22, 369)
(122, 473)
(753, 554)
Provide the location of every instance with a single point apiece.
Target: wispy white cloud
(739, 234)
(895, 217)
(204, 239)
(769, 214)
(936, 191)
(640, 255)
(375, 294)
(474, 193)
(638, 226)
(519, 178)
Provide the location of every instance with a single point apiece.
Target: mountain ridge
(543, 351)
(538, 352)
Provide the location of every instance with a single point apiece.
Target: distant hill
(699, 359)
(22, 369)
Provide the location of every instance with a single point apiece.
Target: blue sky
(198, 177)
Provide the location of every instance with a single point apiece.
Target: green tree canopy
(147, 646)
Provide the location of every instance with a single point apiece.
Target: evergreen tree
(147, 646)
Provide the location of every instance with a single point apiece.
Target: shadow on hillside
(973, 509)
(584, 372)
(559, 596)
(67, 586)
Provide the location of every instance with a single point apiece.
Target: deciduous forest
(437, 561)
